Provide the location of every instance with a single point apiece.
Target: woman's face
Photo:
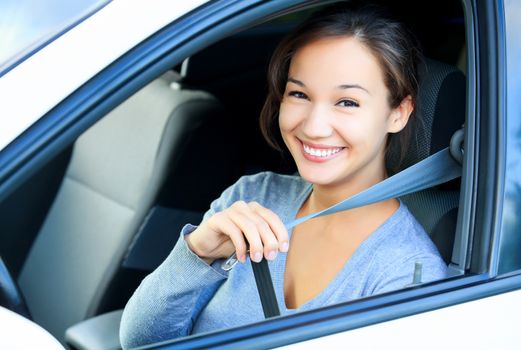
(335, 116)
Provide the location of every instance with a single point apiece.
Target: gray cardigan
(184, 295)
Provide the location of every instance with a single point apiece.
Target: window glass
(26, 25)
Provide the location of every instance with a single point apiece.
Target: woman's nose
(317, 123)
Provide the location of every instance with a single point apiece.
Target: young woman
(342, 89)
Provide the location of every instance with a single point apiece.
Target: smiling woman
(360, 118)
(395, 69)
(352, 126)
(337, 96)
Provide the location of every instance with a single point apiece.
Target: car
(123, 120)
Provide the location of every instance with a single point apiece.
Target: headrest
(440, 110)
(232, 56)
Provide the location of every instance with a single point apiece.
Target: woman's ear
(400, 115)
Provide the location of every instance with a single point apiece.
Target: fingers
(276, 225)
(262, 228)
(234, 233)
(249, 226)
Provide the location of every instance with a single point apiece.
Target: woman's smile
(319, 153)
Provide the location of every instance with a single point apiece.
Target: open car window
(137, 174)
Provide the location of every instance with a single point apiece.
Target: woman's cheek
(351, 129)
(288, 117)
(368, 131)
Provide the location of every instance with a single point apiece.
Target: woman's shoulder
(271, 180)
(268, 188)
(404, 245)
(407, 234)
(269, 185)
(404, 238)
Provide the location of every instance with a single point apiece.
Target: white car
(121, 120)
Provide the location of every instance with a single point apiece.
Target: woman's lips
(319, 154)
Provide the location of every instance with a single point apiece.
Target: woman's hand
(235, 228)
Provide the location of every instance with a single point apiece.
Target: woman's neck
(325, 196)
(361, 221)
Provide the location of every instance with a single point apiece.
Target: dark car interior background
(87, 227)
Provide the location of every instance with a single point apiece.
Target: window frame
(509, 93)
(218, 19)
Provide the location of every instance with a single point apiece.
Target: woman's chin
(316, 178)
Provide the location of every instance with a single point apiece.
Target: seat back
(116, 170)
(441, 109)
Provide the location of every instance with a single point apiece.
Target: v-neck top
(185, 295)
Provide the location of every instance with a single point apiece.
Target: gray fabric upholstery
(429, 205)
(115, 172)
(441, 102)
(432, 76)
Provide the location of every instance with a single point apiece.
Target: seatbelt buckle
(231, 261)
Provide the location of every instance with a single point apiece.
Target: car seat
(116, 171)
(441, 109)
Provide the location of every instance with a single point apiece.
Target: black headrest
(440, 110)
(243, 52)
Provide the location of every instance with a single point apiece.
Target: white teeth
(321, 153)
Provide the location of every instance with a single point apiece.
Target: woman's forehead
(336, 61)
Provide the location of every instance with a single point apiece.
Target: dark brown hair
(391, 43)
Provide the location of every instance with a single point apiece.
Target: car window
(213, 70)
(109, 169)
(27, 25)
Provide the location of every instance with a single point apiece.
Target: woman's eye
(298, 94)
(348, 103)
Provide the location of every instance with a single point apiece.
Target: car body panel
(57, 70)
(29, 26)
(488, 323)
(20, 333)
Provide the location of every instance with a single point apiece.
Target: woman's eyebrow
(296, 81)
(353, 86)
(342, 86)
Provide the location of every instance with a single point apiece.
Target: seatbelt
(434, 170)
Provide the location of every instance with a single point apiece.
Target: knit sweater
(185, 295)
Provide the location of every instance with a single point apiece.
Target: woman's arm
(168, 301)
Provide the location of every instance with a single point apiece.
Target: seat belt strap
(432, 171)
(261, 271)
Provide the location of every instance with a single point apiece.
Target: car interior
(80, 235)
